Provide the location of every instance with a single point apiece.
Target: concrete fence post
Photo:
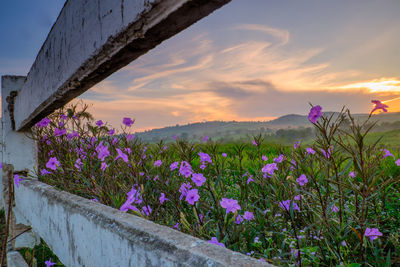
(18, 156)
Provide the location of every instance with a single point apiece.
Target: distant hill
(291, 125)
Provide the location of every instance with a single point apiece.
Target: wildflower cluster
(330, 202)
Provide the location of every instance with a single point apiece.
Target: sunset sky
(249, 60)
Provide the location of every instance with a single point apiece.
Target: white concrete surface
(91, 39)
(84, 233)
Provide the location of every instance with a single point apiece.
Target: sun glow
(377, 85)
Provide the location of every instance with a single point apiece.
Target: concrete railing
(84, 233)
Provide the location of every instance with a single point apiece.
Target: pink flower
(17, 180)
(121, 155)
(352, 174)
(302, 180)
(127, 121)
(264, 158)
(224, 155)
(372, 233)
(379, 105)
(198, 179)
(248, 216)
(157, 163)
(163, 198)
(254, 142)
(192, 196)
(315, 114)
(231, 205)
(214, 240)
(397, 162)
(53, 163)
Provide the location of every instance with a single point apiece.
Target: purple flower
(157, 163)
(175, 137)
(379, 105)
(352, 174)
(315, 113)
(176, 226)
(327, 153)
(78, 164)
(103, 166)
(397, 162)
(49, 263)
(387, 154)
(99, 123)
(285, 204)
(185, 169)
(59, 132)
(72, 135)
(248, 216)
(111, 132)
(224, 155)
(296, 145)
(121, 155)
(198, 179)
(204, 157)
(214, 240)
(278, 159)
(127, 121)
(269, 169)
(17, 180)
(129, 137)
(44, 172)
(102, 151)
(302, 180)
(53, 163)
(146, 210)
(238, 219)
(192, 196)
(231, 205)
(372, 233)
(205, 139)
(334, 208)
(163, 198)
(310, 150)
(64, 117)
(174, 165)
(264, 158)
(128, 206)
(43, 123)
(184, 189)
(297, 197)
(254, 142)
(250, 179)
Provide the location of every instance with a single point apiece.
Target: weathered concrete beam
(92, 39)
(85, 233)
